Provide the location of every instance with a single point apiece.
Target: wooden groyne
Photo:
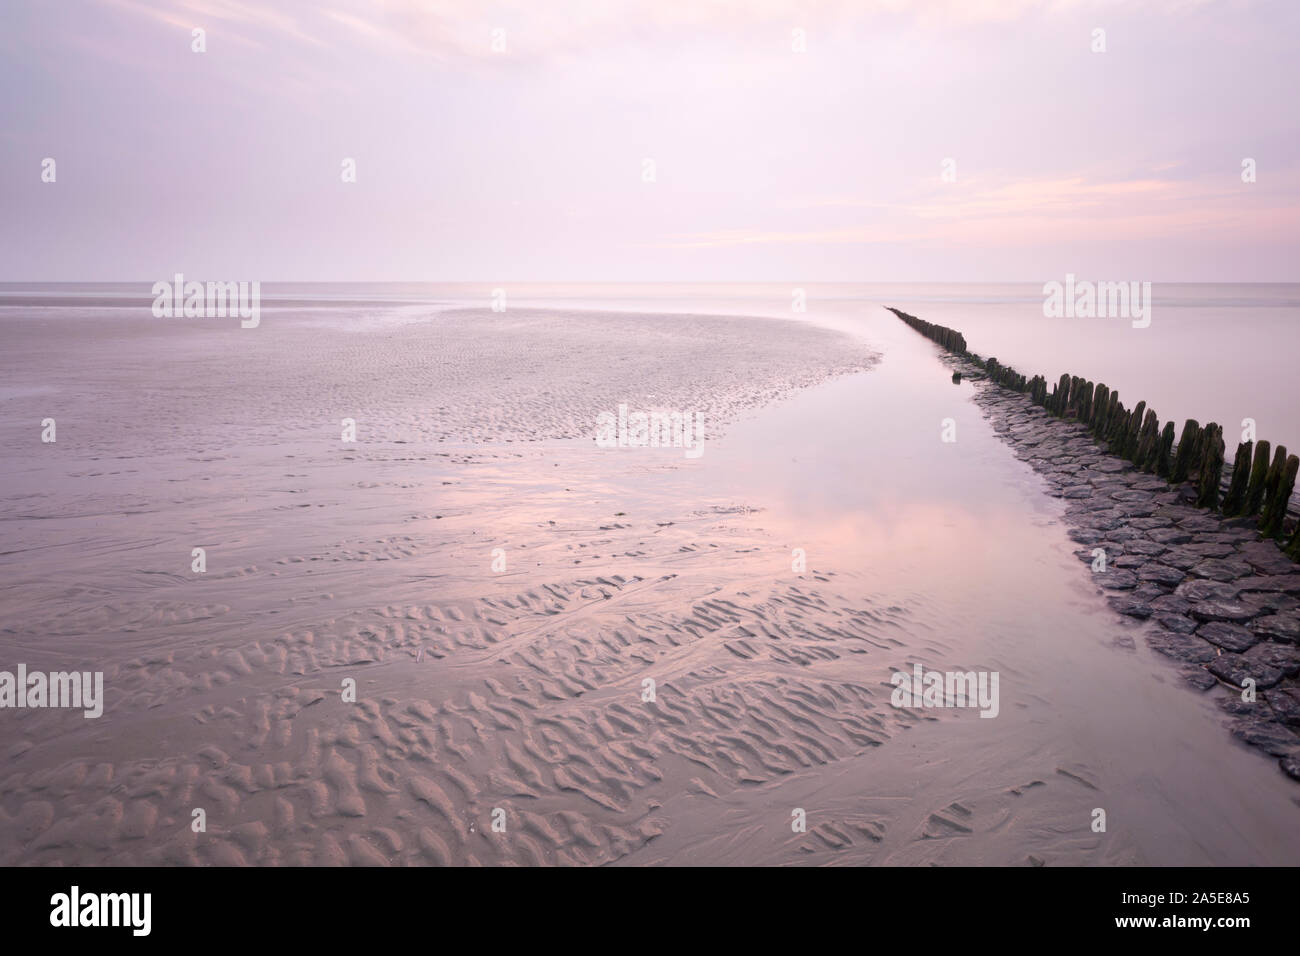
(1260, 486)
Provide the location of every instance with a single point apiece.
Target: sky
(650, 140)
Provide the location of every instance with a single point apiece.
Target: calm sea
(1222, 352)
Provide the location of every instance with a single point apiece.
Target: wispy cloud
(463, 28)
(1017, 211)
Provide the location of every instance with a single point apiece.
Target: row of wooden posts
(1259, 488)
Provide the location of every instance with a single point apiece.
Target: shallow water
(963, 536)
(522, 689)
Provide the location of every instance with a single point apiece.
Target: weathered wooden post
(1085, 403)
(1130, 445)
(1148, 439)
(1272, 478)
(1258, 476)
(1119, 431)
(1100, 405)
(1211, 471)
(1235, 499)
(1164, 452)
(1040, 390)
(1113, 413)
(1274, 513)
(1186, 446)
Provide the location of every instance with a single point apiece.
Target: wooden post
(1183, 459)
(1274, 513)
(1258, 476)
(1272, 478)
(1130, 446)
(1164, 452)
(1116, 429)
(1211, 470)
(1148, 442)
(1100, 405)
(1085, 403)
(1235, 499)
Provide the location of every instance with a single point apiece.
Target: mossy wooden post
(1165, 451)
(1100, 405)
(1235, 499)
(1186, 445)
(1293, 546)
(1152, 461)
(1130, 442)
(1211, 469)
(1140, 446)
(1113, 412)
(1085, 403)
(1115, 430)
(1258, 474)
(1272, 478)
(1197, 452)
(1062, 396)
(1274, 513)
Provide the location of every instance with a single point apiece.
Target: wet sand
(522, 689)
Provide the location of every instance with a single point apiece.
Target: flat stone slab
(1268, 602)
(1203, 590)
(1221, 569)
(1268, 735)
(1285, 704)
(1282, 583)
(1210, 550)
(1179, 624)
(1131, 495)
(1283, 627)
(1266, 558)
(1142, 546)
(1283, 657)
(1199, 522)
(1160, 574)
(1180, 646)
(1170, 536)
(1231, 637)
(1116, 579)
(1231, 611)
(1181, 559)
(1130, 605)
(1199, 677)
(1236, 669)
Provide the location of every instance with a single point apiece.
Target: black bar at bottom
(217, 906)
